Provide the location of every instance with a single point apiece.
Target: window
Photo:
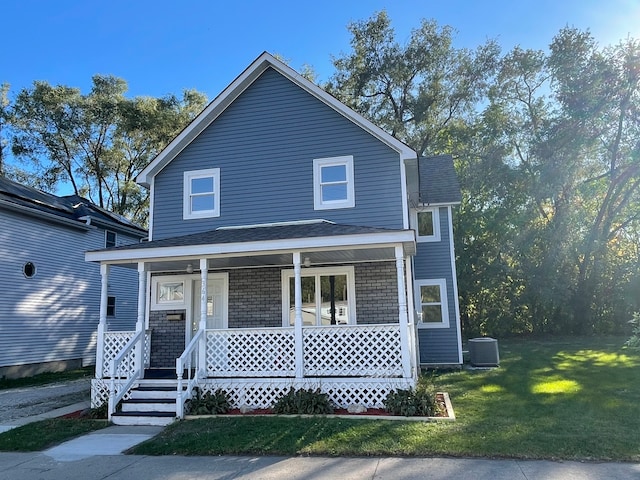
(167, 292)
(427, 224)
(111, 306)
(201, 194)
(29, 270)
(109, 239)
(327, 296)
(433, 311)
(333, 183)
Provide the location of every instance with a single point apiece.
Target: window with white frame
(333, 183)
(167, 292)
(431, 300)
(201, 194)
(426, 222)
(328, 296)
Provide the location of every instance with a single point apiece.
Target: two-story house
(292, 243)
(50, 295)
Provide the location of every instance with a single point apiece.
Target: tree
(98, 142)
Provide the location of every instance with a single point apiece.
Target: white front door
(216, 303)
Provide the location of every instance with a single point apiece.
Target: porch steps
(152, 402)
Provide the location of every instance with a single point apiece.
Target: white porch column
(403, 316)
(299, 356)
(202, 348)
(142, 306)
(102, 325)
(411, 310)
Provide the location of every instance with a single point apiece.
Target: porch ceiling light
(189, 268)
(307, 262)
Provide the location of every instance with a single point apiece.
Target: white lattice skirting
(262, 393)
(100, 391)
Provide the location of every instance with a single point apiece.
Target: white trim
(277, 224)
(152, 199)
(405, 194)
(454, 277)
(157, 281)
(317, 272)
(438, 204)
(435, 213)
(444, 303)
(367, 240)
(242, 82)
(187, 213)
(318, 165)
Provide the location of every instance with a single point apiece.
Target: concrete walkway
(97, 455)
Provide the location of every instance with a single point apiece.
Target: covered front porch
(332, 312)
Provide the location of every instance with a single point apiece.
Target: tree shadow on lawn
(572, 399)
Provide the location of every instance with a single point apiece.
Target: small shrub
(418, 402)
(209, 403)
(303, 402)
(634, 340)
(98, 412)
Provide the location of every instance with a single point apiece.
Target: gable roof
(240, 84)
(71, 210)
(438, 180)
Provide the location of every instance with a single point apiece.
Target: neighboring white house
(49, 305)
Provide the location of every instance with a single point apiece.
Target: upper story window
(431, 300)
(201, 193)
(109, 239)
(426, 222)
(333, 183)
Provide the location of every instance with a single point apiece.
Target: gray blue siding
(264, 144)
(432, 261)
(54, 315)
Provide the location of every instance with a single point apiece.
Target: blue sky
(161, 47)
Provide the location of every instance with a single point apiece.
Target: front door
(216, 303)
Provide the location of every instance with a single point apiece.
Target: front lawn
(555, 399)
(38, 436)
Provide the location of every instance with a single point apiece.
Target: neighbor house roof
(438, 180)
(240, 84)
(71, 210)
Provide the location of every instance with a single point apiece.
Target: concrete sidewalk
(32, 466)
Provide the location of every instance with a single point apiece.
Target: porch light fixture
(307, 262)
(189, 268)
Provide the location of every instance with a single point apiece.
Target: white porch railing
(345, 351)
(185, 362)
(114, 342)
(127, 367)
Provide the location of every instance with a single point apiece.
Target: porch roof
(259, 239)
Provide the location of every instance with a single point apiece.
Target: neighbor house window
(427, 224)
(29, 270)
(109, 239)
(333, 183)
(201, 194)
(328, 296)
(111, 306)
(431, 300)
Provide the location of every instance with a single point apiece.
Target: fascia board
(353, 241)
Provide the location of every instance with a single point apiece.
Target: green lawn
(555, 399)
(45, 378)
(38, 436)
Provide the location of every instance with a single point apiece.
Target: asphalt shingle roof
(438, 180)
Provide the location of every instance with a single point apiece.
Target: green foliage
(209, 403)
(100, 412)
(420, 401)
(38, 436)
(634, 340)
(303, 401)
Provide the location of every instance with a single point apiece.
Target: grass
(554, 399)
(44, 434)
(45, 378)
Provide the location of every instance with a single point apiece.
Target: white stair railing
(127, 365)
(185, 363)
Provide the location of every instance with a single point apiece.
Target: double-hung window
(201, 194)
(109, 239)
(333, 183)
(431, 300)
(427, 224)
(328, 296)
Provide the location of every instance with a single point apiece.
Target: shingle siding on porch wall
(53, 316)
(264, 145)
(432, 260)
